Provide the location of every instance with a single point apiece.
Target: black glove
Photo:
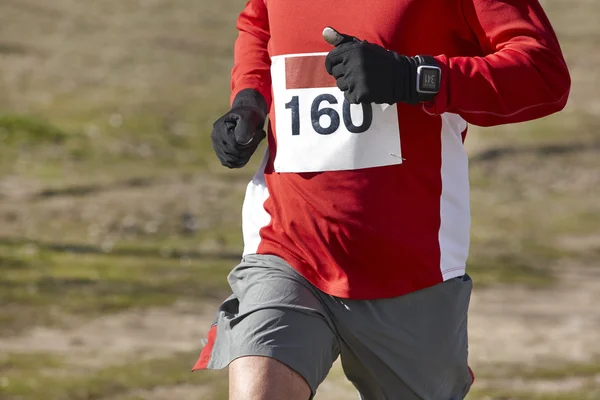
(237, 134)
(368, 73)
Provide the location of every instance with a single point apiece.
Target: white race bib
(318, 130)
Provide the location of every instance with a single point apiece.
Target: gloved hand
(368, 73)
(237, 134)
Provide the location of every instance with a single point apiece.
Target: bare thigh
(264, 378)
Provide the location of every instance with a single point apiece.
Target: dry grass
(112, 202)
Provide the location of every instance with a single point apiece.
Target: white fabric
(454, 204)
(254, 215)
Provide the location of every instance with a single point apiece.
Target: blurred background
(118, 226)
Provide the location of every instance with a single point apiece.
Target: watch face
(430, 79)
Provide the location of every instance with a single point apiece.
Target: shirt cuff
(264, 91)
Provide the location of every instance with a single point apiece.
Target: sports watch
(429, 76)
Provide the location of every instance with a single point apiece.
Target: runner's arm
(523, 75)
(251, 69)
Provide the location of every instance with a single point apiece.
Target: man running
(356, 225)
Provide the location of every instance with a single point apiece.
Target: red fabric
(472, 375)
(206, 352)
(316, 229)
(373, 233)
(251, 57)
(520, 73)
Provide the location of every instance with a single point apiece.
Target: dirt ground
(132, 83)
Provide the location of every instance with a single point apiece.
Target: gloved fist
(237, 134)
(368, 73)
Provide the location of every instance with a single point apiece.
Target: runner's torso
(365, 201)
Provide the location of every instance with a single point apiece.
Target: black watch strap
(427, 60)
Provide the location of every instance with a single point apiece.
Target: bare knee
(263, 378)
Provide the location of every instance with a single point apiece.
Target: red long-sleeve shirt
(381, 208)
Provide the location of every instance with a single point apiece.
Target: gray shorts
(412, 347)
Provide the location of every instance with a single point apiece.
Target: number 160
(316, 113)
